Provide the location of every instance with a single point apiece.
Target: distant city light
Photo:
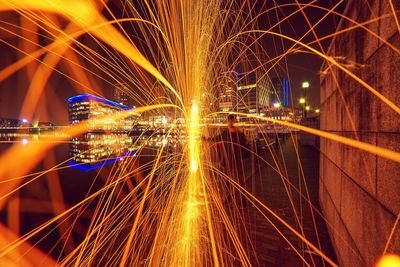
(302, 100)
(277, 105)
(24, 141)
(24, 120)
(164, 120)
(305, 85)
(317, 110)
(307, 107)
(164, 142)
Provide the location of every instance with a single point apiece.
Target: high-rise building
(227, 98)
(280, 91)
(121, 95)
(96, 109)
(253, 93)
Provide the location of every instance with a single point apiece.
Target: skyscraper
(280, 91)
(227, 98)
(253, 90)
(121, 95)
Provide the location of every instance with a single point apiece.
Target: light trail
(171, 210)
(383, 152)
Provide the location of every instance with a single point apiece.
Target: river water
(76, 178)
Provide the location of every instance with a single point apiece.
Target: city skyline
(200, 133)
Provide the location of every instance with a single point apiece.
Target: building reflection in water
(105, 141)
(94, 147)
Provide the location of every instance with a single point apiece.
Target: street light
(317, 110)
(305, 85)
(277, 105)
(302, 100)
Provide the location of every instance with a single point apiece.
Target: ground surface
(266, 184)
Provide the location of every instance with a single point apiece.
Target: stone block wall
(359, 191)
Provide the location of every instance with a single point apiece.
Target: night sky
(298, 67)
(301, 66)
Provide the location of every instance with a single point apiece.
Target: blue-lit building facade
(93, 108)
(105, 138)
(280, 91)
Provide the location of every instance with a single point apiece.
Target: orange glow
(389, 260)
(179, 203)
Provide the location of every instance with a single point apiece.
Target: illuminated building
(280, 91)
(227, 98)
(159, 131)
(106, 138)
(10, 123)
(121, 95)
(89, 107)
(254, 92)
(159, 120)
(15, 125)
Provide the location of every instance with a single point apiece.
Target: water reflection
(94, 147)
(13, 137)
(96, 150)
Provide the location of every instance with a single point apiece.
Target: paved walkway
(270, 247)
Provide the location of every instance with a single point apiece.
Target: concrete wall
(359, 191)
